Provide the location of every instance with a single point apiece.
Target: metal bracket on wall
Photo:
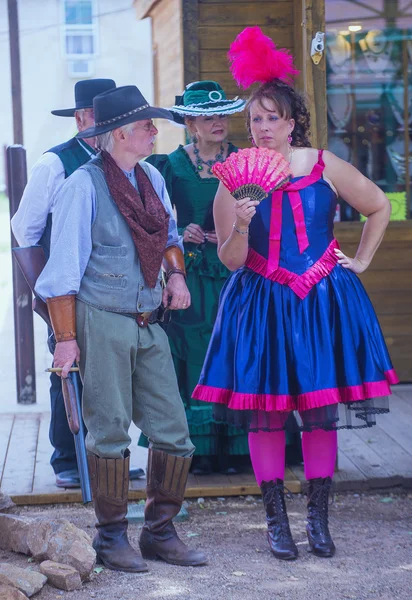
(317, 47)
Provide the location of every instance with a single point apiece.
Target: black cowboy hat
(84, 92)
(120, 106)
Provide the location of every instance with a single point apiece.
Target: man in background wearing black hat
(32, 225)
(102, 285)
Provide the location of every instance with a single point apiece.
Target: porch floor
(368, 459)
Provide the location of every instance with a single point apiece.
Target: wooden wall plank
(221, 36)
(215, 60)
(168, 67)
(19, 467)
(279, 14)
(397, 231)
(143, 7)
(190, 31)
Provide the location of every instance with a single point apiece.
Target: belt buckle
(143, 318)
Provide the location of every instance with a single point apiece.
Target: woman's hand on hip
(353, 264)
(245, 210)
(193, 234)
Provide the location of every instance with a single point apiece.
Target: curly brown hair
(289, 104)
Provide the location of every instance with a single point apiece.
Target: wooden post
(405, 63)
(22, 297)
(309, 17)
(15, 72)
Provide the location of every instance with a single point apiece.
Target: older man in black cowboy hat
(103, 289)
(32, 225)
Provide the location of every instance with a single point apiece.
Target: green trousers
(128, 375)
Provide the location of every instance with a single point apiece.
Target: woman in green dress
(204, 109)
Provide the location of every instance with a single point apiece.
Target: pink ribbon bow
(292, 190)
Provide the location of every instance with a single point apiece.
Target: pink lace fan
(253, 173)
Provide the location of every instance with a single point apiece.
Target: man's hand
(65, 355)
(176, 295)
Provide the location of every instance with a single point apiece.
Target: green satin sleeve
(162, 164)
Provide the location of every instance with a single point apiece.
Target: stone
(63, 577)
(28, 581)
(82, 557)
(6, 503)
(7, 592)
(14, 532)
(60, 541)
(38, 538)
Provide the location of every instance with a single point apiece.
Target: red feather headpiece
(255, 58)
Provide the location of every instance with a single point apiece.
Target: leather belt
(144, 319)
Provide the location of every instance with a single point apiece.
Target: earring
(194, 139)
(289, 139)
(251, 140)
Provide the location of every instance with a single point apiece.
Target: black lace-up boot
(279, 535)
(320, 540)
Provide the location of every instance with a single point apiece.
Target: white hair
(105, 141)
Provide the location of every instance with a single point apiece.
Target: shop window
(369, 94)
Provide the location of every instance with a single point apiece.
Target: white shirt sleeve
(71, 237)
(46, 178)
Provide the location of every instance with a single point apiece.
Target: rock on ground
(13, 533)
(60, 541)
(6, 503)
(61, 576)
(29, 582)
(7, 592)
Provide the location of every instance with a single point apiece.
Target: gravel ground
(373, 535)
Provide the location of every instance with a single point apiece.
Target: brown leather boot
(166, 483)
(109, 478)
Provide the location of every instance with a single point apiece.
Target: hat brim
(67, 112)
(147, 113)
(223, 107)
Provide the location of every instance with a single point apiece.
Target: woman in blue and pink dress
(296, 330)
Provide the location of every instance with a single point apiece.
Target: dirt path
(373, 535)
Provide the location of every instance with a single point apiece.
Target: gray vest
(113, 279)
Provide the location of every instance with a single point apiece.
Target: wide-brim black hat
(84, 92)
(121, 106)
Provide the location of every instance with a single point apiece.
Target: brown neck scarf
(144, 213)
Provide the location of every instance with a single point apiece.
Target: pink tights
(267, 452)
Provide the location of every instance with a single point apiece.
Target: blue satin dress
(295, 330)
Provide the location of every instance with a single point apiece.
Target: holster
(62, 311)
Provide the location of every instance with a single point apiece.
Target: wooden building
(190, 42)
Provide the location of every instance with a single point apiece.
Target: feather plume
(255, 58)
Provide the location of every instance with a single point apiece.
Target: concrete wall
(124, 54)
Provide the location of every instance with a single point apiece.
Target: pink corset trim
(292, 190)
(317, 399)
(300, 284)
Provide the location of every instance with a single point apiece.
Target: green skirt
(189, 333)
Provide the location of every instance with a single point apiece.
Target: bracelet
(171, 272)
(239, 230)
